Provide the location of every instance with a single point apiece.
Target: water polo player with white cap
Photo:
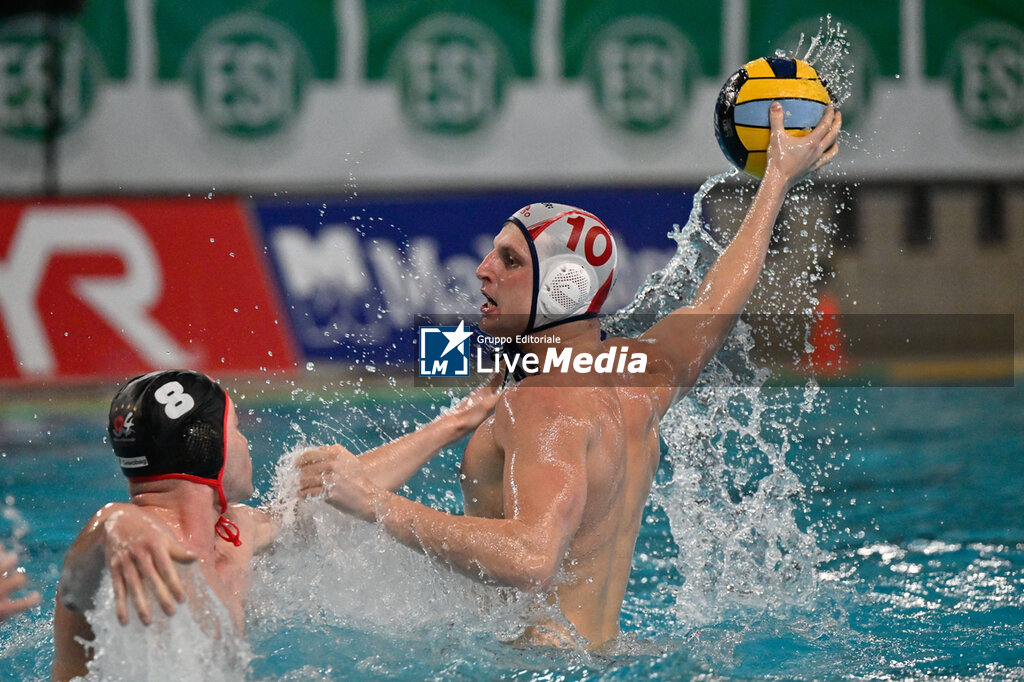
(555, 482)
(574, 259)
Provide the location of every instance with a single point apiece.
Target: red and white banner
(94, 288)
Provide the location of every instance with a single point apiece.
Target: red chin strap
(226, 529)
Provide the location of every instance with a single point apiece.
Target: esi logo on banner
(444, 351)
(92, 289)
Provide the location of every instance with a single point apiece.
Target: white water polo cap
(574, 259)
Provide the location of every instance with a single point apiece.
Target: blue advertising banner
(358, 274)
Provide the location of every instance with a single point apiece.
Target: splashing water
(834, 54)
(198, 642)
(334, 579)
(732, 500)
(828, 51)
(749, 598)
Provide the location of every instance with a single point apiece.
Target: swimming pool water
(910, 500)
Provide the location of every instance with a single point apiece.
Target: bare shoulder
(240, 512)
(543, 398)
(93, 531)
(539, 410)
(661, 381)
(110, 509)
(657, 354)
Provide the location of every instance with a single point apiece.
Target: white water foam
(330, 568)
(199, 642)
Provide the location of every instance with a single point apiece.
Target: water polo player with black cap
(168, 425)
(555, 483)
(176, 438)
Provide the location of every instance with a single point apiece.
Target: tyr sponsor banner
(96, 288)
(356, 273)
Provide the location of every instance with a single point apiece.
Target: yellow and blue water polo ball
(741, 114)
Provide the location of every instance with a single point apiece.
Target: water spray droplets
(828, 52)
(732, 498)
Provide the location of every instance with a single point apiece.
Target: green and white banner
(247, 66)
(161, 95)
(981, 55)
(87, 51)
(450, 63)
(641, 60)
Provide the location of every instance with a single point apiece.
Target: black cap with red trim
(172, 424)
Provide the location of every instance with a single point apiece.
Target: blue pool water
(883, 539)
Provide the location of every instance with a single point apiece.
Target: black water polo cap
(170, 424)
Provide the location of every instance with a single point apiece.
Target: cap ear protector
(574, 258)
(565, 287)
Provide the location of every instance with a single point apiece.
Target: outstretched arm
(690, 336)
(258, 526)
(544, 493)
(389, 466)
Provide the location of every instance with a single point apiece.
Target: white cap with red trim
(574, 259)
